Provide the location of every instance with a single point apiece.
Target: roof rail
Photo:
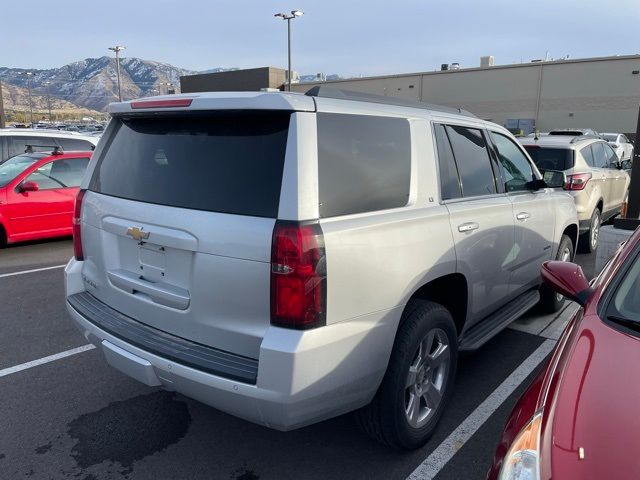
(57, 149)
(331, 92)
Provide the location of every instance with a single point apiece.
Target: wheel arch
(572, 231)
(451, 291)
(4, 236)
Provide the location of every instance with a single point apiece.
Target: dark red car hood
(596, 406)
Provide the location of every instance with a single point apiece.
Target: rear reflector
(298, 276)
(179, 102)
(577, 181)
(77, 216)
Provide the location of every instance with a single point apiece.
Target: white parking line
(449, 447)
(43, 360)
(30, 271)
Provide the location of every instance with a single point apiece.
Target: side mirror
(567, 279)
(554, 178)
(29, 187)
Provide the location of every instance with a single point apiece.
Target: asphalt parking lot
(70, 416)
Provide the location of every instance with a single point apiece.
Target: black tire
(385, 418)
(550, 302)
(587, 243)
(3, 237)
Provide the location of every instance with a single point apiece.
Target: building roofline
(478, 69)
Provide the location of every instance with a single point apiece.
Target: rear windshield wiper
(625, 322)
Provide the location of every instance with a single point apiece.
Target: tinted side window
(599, 157)
(60, 173)
(588, 155)
(18, 144)
(449, 180)
(472, 158)
(515, 165)
(612, 157)
(364, 163)
(69, 144)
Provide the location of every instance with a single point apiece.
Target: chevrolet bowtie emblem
(137, 233)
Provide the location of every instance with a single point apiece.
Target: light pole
(29, 75)
(118, 49)
(288, 18)
(47, 83)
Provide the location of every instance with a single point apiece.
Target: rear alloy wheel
(419, 378)
(551, 302)
(427, 375)
(589, 240)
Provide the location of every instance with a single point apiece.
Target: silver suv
(594, 177)
(287, 258)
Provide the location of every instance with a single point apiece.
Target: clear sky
(345, 37)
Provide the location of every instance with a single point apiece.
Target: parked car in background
(347, 248)
(622, 146)
(574, 132)
(14, 141)
(37, 194)
(594, 176)
(578, 418)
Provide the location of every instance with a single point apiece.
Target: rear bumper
(302, 376)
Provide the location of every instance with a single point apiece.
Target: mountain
(17, 98)
(92, 83)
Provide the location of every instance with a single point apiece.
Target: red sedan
(37, 193)
(579, 419)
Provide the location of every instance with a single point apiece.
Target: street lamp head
(117, 48)
(282, 15)
(297, 13)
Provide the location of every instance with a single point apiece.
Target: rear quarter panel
(376, 260)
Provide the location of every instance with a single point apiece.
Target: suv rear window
(226, 162)
(550, 158)
(364, 163)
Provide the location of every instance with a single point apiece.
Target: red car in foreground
(580, 417)
(37, 194)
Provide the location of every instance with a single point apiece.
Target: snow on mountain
(92, 82)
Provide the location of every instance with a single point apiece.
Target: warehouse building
(599, 93)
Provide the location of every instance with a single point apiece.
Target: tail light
(77, 237)
(298, 276)
(577, 181)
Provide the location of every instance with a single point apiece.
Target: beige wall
(600, 93)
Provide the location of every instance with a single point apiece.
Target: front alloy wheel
(426, 378)
(564, 256)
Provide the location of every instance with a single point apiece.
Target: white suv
(287, 258)
(594, 177)
(15, 141)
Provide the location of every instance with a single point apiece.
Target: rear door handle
(467, 227)
(523, 216)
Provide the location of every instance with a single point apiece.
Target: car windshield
(610, 137)
(550, 158)
(15, 166)
(626, 301)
